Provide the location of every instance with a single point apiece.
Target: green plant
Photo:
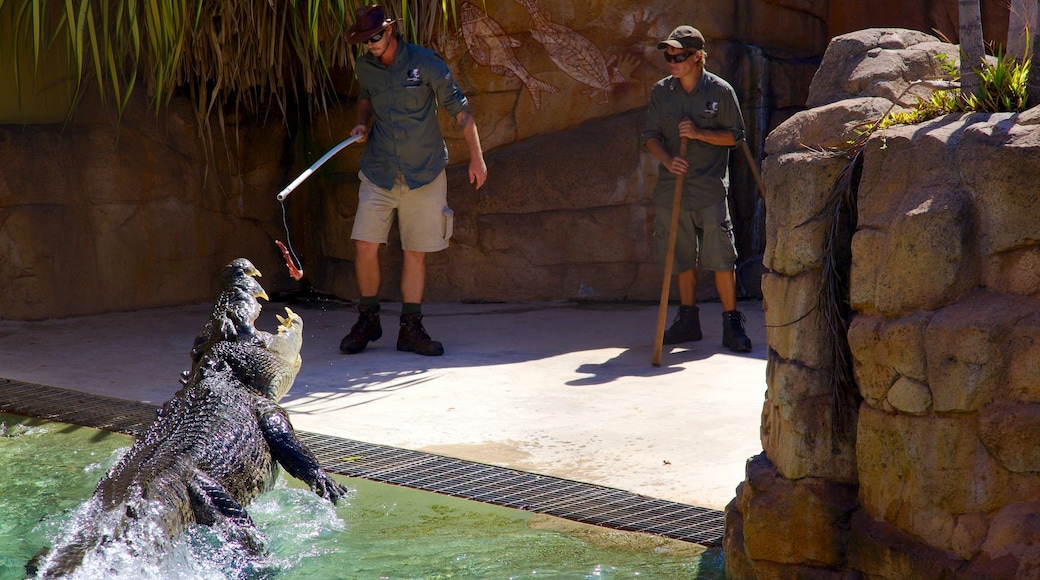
(1002, 86)
(937, 104)
(245, 55)
(947, 66)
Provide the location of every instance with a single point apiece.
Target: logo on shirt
(413, 76)
(711, 108)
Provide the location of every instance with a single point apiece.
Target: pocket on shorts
(449, 223)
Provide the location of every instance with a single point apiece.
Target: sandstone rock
(1015, 271)
(766, 570)
(918, 473)
(937, 15)
(1023, 360)
(29, 268)
(1010, 431)
(798, 185)
(877, 62)
(885, 351)
(879, 550)
(969, 532)
(927, 259)
(867, 249)
(792, 522)
(910, 397)
(906, 160)
(797, 425)
(832, 126)
(1012, 548)
(967, 346)
(794, 327)
(1003, 179)
(738, 565)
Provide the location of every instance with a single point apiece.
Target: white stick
(303, 176)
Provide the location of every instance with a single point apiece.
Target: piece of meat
(294, 272)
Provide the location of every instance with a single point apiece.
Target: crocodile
(213, 447)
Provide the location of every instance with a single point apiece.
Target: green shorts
(705, 233)
(423, 215)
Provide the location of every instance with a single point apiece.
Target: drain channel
(572, 500)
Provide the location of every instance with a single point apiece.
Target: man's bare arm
(477, 167)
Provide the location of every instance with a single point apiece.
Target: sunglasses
(677, 58)
(376, 37)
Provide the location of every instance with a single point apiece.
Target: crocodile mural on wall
(490, 46)
(214, 447)
(574, 54)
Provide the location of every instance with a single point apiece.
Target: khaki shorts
(423, 215)
(704, 233)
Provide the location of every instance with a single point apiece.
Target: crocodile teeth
(286, 321)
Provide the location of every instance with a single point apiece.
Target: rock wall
(109, 213)
(118, 214)
(558, 91)
(940, 477)
(98, 216)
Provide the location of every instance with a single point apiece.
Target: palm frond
(840, 213)
(248, 55)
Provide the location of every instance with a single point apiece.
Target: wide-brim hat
(683, 37)
(368, 21)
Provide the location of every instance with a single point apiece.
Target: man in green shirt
(402, 171)
(697, 105)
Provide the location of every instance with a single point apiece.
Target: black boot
(733, 335)
(413, 337)
(685, 328)
(367, 329)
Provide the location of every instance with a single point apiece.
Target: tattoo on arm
(463, 119)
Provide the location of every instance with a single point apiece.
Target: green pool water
(48, 469)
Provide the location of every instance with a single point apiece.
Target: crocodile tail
(67, 555)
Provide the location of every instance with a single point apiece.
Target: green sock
(411, 308)
(369, 301)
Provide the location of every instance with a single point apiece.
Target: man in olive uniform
(402, 171)
(695, 104)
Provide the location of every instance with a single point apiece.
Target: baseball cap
(683, 37)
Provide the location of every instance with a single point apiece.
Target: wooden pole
(666, 286)
(754, 169)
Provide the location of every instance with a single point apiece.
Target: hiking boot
(367, 329)
(413, 337)
(733, 335)
(685, 328)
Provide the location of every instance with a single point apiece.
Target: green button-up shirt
(711, 105)
(406, 136)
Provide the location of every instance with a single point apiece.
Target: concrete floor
(561, 389)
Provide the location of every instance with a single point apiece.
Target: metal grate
(572, 500)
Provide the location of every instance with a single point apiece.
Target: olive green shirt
(711, 105)
(406, 136)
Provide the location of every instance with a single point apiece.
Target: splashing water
(48, 473)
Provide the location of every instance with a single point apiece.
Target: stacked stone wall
(941, 476)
